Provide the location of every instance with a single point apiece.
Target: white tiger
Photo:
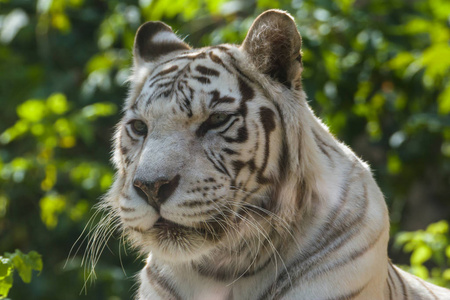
(235, 189)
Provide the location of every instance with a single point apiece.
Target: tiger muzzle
(158, 191)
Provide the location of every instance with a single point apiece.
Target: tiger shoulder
(234, 189)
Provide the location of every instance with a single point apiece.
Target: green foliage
(23, 263)
(55, 128)
(377, 72)
(430, 247)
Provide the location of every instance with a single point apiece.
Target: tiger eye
(139, 127)
(217, 118)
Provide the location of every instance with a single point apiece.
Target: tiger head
(208, 149)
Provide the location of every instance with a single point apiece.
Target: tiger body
(235, 189)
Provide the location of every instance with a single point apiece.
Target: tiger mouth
(162, 223)
(167, 225)
(211, 231)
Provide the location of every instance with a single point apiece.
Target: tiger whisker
(270, 242)
(260, 231)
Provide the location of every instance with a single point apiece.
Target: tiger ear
(273, 44)
(155, 39)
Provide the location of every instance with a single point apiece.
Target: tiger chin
(234, 189)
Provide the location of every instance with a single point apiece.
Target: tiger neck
(250, 255)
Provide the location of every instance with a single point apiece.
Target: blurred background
(376, 71)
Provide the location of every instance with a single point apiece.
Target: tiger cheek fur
(234, 188)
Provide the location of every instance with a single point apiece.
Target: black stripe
(283, 159)
(229, 151)
(127, 209)
(196, 203)
(190, 57)
(400, 279)
(350, 295)
(319, 140)
(161, 82)
(242, 135)
(228, 127)
(329, 240)
(207, 71)
(202, 79)
(131, 219)
(216, 59)
(128, 160)
(267, 119)
(223, 166)
(223, 171)
(389, 280)
(162, 283)
(124, 150)
(130, 135)
(165, 72)
(216, 99)
(185, 100)
(324, 151)
(247, 92)
(426, 287)
(347, 259)
(208, 212)
(336, 239)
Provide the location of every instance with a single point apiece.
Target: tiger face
(199, 150)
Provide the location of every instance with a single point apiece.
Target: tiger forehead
(202, 79)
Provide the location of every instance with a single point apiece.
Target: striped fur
(235, 189)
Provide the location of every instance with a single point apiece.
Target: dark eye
(218, 118)
(139, 127)
(215, 120)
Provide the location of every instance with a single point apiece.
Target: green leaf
(447, 251)
(100, 62)
(444, 101)
(5, 284)
(21, 267)
(345, 5)
(436, 59)
(214, 5)
(403, 237)
(23, 263)
(401, 61)
(10, 134)
(92, 112)
(420, 271)
(394, 164)
(32, 110)
(440, 227)
(26, 263)
(35, 260)
(265, 4)
(420, 255)
(5, 266)
(446, 274)
(20, 264)
(51, 206)
(61, 22)
(417, 25)
(58, 103)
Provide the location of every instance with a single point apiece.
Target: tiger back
(234, 189)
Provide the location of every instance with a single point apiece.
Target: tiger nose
(156, 192)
